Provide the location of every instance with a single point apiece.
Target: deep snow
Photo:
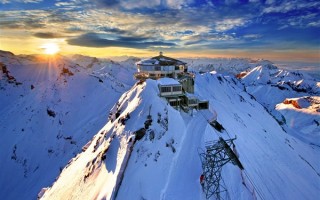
(35, 146)
(165, 164)
(51, 110)
(272, 87)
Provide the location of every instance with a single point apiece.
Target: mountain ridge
(171, 157)
(63, 105)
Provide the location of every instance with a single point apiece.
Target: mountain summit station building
(175, 83)
(159, 67)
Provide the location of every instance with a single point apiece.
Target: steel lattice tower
(217, 154)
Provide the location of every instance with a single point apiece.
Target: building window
(147, 68)
(165, 89)
(192, 101)
(175, 103)
(176, 88)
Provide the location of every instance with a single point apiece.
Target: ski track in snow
(189, 144)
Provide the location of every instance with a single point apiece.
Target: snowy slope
(267, 73)
(266, 151)
(50, 108)
(302, 116)
(165, 163)
(272, 86)
(112, 142)
(222, 65)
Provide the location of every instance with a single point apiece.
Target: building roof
(161, 60)
(168, 81)
(190, 96)
(148, 61)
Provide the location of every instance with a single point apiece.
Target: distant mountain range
(67, 127)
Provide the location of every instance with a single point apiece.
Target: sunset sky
(269, 29)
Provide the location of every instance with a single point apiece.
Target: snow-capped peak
(164, 163)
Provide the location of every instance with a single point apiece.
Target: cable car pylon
(217, 154)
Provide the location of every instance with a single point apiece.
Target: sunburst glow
(50, 48)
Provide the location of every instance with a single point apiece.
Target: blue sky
(202, 28)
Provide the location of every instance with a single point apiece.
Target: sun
(50, 48)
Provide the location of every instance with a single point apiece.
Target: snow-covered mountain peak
(267, 64)
(285, 80)
(89, 111)
(307, 104)
(6, 53)
(105, 157)
(86, 61)
(164, 163)
(9, 57)
(50, 107)
(290, 96)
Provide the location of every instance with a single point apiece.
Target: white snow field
(165, 163)
(272, 87)
(49, 110)
(68, 127)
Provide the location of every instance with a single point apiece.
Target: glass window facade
(165, 89)
(176, 88)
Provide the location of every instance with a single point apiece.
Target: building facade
(159, 67)
(175, 83)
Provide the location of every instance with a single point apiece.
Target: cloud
(19, 1)
(142, 4)
(38, 19)
(112, 30)
(314, 24)
(47, 35)
(208, 40)
(31, 1)
(288, 6)
(269, 2)
(178, 4)
(168, 23)
(4, 1)
(252, 36)
(185, 26)
(300, 20)
(238, 44)
(22, 20)
(70, 5)
(96, 40)
(228, 24)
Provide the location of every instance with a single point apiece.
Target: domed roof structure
(160, 66)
